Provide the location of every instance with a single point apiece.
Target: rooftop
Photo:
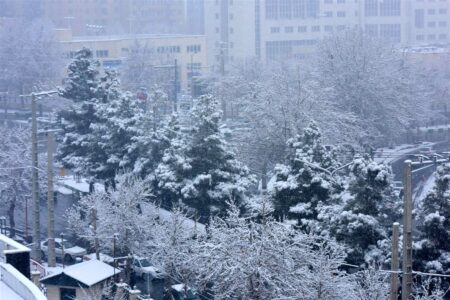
(88, 273)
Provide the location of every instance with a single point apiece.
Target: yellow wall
(115, 46)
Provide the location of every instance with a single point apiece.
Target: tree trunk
(12, 222)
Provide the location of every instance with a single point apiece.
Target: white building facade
(289, 29)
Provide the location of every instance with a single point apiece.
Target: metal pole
(407, 235)
(394, 262)
(175, 87)
(50, 203)
(62, 249)
(35, 192)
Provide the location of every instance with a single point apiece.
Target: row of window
(316, 28)
(391, 32)
(276, 50)
(431, 37)
(374, 8)
(419, 19)
(292, 9)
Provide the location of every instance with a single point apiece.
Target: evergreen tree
(203, 172)
(120, 122)
(83, 87)
(368, 209)
(305, 182)
(432, 252)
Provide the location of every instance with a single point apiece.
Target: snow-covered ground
(68, 183)
(388, 155)
(423, 189)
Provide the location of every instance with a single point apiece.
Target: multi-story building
(189, 51)
(283, 29)
(87, 17)
(230, 30)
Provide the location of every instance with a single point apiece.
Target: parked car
(142, 266)
(181, 292)
(71, 251)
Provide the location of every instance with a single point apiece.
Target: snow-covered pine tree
(432, 252)
(120, 123)
(203, 173)
(305, 181)
(82, 86)
(364, 217)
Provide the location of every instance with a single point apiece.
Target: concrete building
(189, 51)
(230, 31)
(289, 29)
(15, 283)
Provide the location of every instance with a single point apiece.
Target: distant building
(189, 51)
(85, 280)
(288, 29)
(117, 17)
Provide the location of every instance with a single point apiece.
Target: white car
(71, 252)
(142, 266)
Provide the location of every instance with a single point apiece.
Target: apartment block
(289, 29)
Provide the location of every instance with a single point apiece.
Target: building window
(302, 29)
(340, 1)
(328, 14)
(431, 37)
(420, 37)
(328, 1)
(431, 11)
(285, 9)
(442, 24)
(390, 8)
(341, 14)
(442, 11)
(193, 48)
(443, 36)
(315, 28)
(340, 27)
(271, 9)
(274, 29)
(391, 32)
(328, 28)
(431, 24)
(101, 53)
(289, 29)
(419, 18)
(371, 8)
(231, 30)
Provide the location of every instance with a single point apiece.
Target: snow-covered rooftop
(88, 272)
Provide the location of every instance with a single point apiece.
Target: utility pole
(175, 87)
(50, 203)
(35, 192)
(407, 234)
(394, 262)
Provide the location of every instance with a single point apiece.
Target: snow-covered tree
(362, 220)
(432, 252)
(305, 181)
(16, 171)
(371, 79)
(30, 56)
(120, 122)
(204, 174)
(118, 211)
(84, 149)
(242, 259)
